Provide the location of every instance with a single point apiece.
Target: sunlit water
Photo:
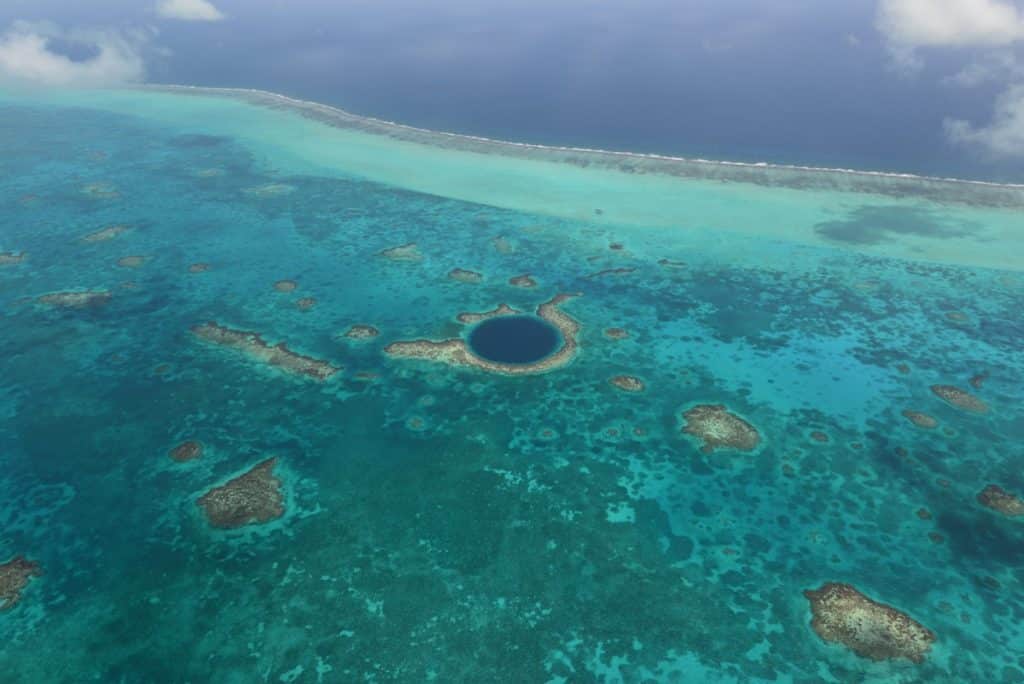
(452, 524)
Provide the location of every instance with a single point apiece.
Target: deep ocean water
(443, 523)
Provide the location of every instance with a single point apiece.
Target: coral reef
(504, 245)
(468, 317)
(616, 333)
(11, 258)
(252, 345)
(270, 190)
(921, 420)
(306, 303)
(669, 263)
(286, 285)
(1001, 501)
(361, 332)
(406, 252)
(609, 271)
(819, 436)
(627, 383)
(133, 261)
(104, 234)
(199, 267)
(841, 614)
(525, 280)
(251, 498)
(961, 399)
(75, 300)
(464, 276)
(455, 352)
(15, 575)
(977, 381)
(100, 190)
(186, 451)
(716, 427)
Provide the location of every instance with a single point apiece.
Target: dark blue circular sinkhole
(514, 339)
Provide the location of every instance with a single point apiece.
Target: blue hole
(514, 339)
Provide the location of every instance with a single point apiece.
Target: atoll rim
(456, 352)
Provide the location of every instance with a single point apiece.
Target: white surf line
(587, 150)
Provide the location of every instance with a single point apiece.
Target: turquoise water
(449, 524)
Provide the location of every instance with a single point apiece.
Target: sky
(922, 86)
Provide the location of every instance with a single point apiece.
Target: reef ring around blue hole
(514, 339)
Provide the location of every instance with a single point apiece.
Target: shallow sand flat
(966, 223)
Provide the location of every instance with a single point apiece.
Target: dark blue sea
(795, 82)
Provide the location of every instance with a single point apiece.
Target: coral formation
(361, 332)
(406, 252)
(921, 420)
(1001, 501)
(186, 451)
(464, 276)
(468, 317)
(716, 427)
(251, 498)
(306, 303)
(455, 352)
(199, 268)
(616, 333)
(627, 383)
(609, 271)
(504, 245)
(819, 436)
(525, 280)
(100, 190)
(270, 190)
(11, 258)
(961, 399)
(842, 614)
(75, 299)
(133, 261)
(104, 234)
(252, 345)
(285, 285)
(15, 575)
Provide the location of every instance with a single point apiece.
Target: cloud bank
(994, 27)
(26, 56)
(1004, 136)
(937, 23)
(188, 10)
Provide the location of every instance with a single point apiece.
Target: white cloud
(188, 10)
(26, 56)
(994, 68)
(1004, 136)
(933, 23)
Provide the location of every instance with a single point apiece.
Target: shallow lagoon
(451, 523)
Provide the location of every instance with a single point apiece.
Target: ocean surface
(439, 521)
(794, 81)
